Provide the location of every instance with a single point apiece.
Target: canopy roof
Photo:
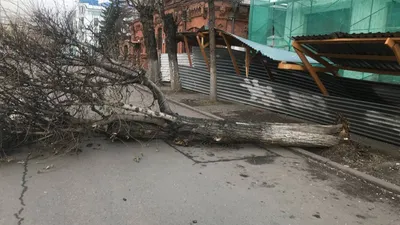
(371, 52)
(234, 40)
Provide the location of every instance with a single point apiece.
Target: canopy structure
(372, 53)
(253, 49)
(270, 52)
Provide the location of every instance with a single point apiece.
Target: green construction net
(273, 22)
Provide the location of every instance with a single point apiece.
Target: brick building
(192, 14)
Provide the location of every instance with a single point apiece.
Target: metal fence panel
(182, 60)
(373, 109)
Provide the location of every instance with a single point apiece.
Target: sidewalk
(368, 157)
(225, 109)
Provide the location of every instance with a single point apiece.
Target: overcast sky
(12, 6)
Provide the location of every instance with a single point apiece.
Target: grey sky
(21, 7)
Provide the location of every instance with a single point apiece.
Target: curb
(186, 106)
(194, 109)
(371, 179)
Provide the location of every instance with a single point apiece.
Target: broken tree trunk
(187, 129)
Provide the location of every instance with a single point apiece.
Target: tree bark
(186, 130)
(146, 17)
(170, 29)
(213, 66)
(158, 95)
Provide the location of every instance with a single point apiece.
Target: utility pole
(213, 66)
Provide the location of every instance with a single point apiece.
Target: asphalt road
(155, 183)
(105, 185)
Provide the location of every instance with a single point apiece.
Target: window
(276, 24)
(96, 22)
(184, 15)
(82, 10)
(393, 17)
(159, 39)
(328, 22)
(126, 52)
(81, 22)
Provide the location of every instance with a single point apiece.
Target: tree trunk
(170, 29)
(213, 66)
(186, 129)
(146, 17)
(158, 95)
(174, 72)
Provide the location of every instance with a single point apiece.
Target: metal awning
(270, 52)
(234, 40)
(371, 53)
(253, 50)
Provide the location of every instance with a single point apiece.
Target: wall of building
(88, 14)
(273, 22)
(192, 14)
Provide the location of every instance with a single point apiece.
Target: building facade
(274, 22)
(88, 15)
(192, 14)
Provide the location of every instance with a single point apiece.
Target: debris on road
(46, 168)
(138, 158)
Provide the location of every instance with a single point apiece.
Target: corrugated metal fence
(373, 109)
(182, 60)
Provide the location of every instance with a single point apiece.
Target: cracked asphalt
(24, 189)
(246, 185)
(157, 183)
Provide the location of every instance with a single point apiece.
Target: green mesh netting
(273, 22)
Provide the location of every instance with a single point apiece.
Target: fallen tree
(185, 130)
(55, 88)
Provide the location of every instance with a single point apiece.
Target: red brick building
(192, 14)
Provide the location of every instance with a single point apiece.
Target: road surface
(157, 183)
